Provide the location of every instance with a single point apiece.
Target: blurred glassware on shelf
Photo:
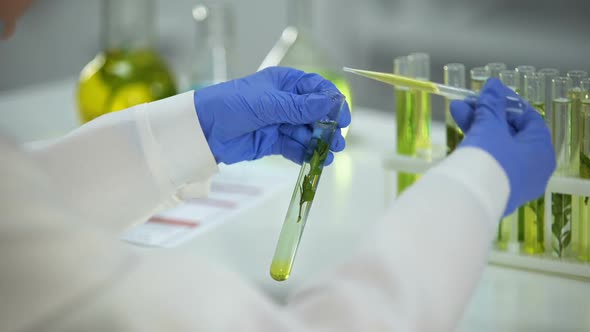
(305, 53)
(213, 59)
(129, 71)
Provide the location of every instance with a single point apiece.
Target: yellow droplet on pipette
(397, 80)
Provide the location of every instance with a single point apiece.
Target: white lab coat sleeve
(415, 271)
(122, 167)
(420, 265)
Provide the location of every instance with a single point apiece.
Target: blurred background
(56, 38)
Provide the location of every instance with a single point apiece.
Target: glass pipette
(514, 104)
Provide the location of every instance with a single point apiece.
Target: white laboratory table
(350, 199)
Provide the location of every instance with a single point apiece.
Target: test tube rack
(513, 257)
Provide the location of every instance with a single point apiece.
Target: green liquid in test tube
(303, 195)
(583, 230)
(563, 142)
(576, 96)
(405, 123)
(511, 79)
(420, 69)
(532, 215)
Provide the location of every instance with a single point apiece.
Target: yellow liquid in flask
(119, 79)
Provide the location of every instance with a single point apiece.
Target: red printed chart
(235, 189)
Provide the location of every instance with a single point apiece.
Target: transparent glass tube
(479, 76)
(575, 94)
(454, 75)
(420, 69)
(303, 196)
(511, 79)
(577, 76)
(547, 75)
(534, 92)
(521, 71)
(582, 235)
(561, 204)
(404, 111)
(495, 68)
(531, 216)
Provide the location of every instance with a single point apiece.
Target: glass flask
(128, 71)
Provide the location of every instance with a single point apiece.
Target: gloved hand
(269, 112)
(521, 143)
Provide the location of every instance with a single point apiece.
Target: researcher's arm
(125, 166)
(416, 269)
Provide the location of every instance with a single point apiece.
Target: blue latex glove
(270, 112)
(521, 143)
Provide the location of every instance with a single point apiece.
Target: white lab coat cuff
(481, 174)
(179, 143)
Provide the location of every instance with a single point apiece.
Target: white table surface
(350, 198)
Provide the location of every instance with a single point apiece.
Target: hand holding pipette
(513, 103)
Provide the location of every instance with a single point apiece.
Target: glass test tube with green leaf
(583, 229)
(454, 75)
(304, 194)
(562, 122)
(532, 214)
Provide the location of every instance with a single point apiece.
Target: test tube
(534, 92)
(576, 97)
(479, 76)
(583, 227)
(531, 216)
(420, 68)
(577, 76)
(563, 141)
(547, 75)
(521, 71)
(404, 112)
(454, 75)
(304, 193)
(495, 68)
(511, 79)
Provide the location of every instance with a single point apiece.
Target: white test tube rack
(513, 257)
